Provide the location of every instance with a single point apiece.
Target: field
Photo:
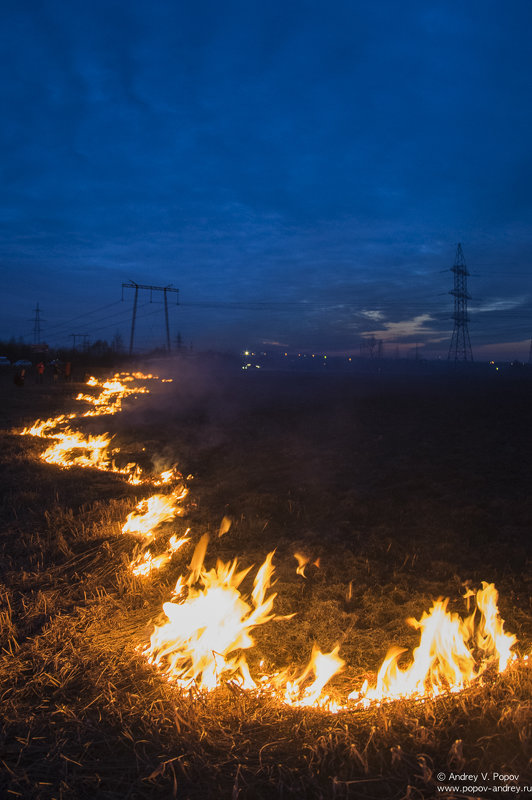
(398, 491)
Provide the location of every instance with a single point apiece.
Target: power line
(67, 322)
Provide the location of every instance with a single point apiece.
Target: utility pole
(460, 346)
(151, 289)
(530, 352)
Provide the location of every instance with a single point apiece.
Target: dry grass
(403, 518)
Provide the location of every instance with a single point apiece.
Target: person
(68, 371)
(55, 372)
(19, 377)
(40, 372)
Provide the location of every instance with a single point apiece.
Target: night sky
(301, 171)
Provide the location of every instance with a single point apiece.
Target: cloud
(503, 304)
(405, 329)
(373, 315)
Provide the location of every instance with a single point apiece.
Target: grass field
(405, 490)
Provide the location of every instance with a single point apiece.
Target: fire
(302, 562)
(153, 511)
(491, 638)
(143, 565)
(109, 400)
(73, 449)
(323, 666)
(209, 623)
(445, 659)
(45, 428)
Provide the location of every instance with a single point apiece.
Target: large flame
(209, 623)
(452, 653)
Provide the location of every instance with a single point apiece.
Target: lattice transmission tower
(460, 347)
(37, 325)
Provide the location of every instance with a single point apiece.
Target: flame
(323, 666)
(73, 449)
(109, 399)
(302, 562)
(145, 564)
(153, 511)
(445, 660)
(45, 428)
(209, 623)
(491, 638)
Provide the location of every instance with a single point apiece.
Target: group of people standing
(56, 370)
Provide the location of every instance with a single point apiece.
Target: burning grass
(85, 714)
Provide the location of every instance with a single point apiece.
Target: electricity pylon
(460, 347)
(151, 289)
(37, 325)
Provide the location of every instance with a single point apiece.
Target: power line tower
(151, 289)
(37, 325)
(460, 347)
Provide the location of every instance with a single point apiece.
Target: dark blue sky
(321, 159)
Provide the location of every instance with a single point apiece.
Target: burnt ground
(406, 489)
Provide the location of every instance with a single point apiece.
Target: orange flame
(209, 623)
(153, 511)
(145, 564)
(444, 661)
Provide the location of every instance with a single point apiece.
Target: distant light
(286, 354)
(324, 356)
(496, 369)
(246, 352)
(313, 356)
(350, 359)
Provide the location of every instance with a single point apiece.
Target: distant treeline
(99, 353)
